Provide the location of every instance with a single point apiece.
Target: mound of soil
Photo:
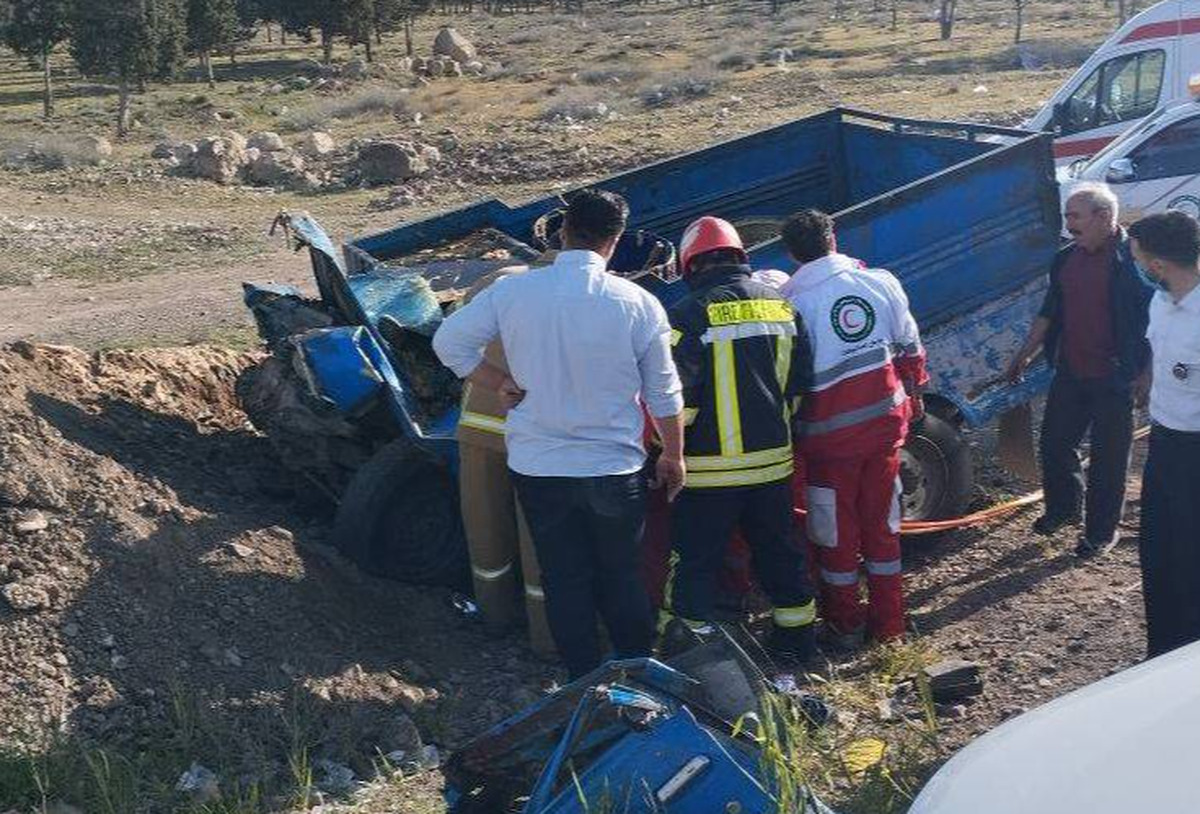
(151, 560)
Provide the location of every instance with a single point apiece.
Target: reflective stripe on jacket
(865, 345)
(740, 350)
(481, 422)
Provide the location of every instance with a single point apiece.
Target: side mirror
(1120, 171)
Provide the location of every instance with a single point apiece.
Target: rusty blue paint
(968, 225)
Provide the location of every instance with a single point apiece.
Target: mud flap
(1015, 444)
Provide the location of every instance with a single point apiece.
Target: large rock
(317, 143)
(94, 149)
(280, 169)
(389, 162)
(267, 142)
(356, 69)
(454, 45)
(184, 153)
(310, 67)
(219, 158)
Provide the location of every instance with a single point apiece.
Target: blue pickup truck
(966, 215)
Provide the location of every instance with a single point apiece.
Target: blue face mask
(1153, 282)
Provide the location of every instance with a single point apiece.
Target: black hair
(808, 235)
(595, 217)
(1170, 236)
(717, 257)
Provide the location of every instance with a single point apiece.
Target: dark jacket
(741, 353)
(1129, 303)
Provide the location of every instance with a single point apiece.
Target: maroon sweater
(1088, 345)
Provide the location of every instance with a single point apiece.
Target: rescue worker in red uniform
(740, 352)
(860, 393)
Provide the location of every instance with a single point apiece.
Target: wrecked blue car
(635, 736)
(361, 411)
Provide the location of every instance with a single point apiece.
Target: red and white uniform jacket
(865, 346)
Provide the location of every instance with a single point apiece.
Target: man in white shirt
(585, 349)
(1167, 250)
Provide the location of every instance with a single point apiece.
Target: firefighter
(739, 350)
(860, 393)
(495, 528)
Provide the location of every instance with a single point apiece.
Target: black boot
(792, 646)
(678, 637)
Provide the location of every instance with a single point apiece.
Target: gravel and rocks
(450, 43)
(174, 564)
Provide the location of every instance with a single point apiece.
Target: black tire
(936, 471)
(399, 518)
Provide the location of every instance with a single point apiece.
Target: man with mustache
(1092, 326)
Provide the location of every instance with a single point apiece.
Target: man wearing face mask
(1092, 327)
(1167, 249)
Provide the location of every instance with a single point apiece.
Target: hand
(1016, 369)
(669, 473)
(918, 406)
(511, 393)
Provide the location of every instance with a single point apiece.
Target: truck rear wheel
(399, 518)
(935, 471)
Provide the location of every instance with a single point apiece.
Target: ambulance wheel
(935, 471)
(399, 518)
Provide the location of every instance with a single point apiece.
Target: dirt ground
(126, 253)
(170, 601)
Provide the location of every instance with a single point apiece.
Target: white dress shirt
(585, 346)
(1174, 335)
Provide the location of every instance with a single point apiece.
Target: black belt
(1185, 436)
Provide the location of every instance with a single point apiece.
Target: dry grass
(367, 102)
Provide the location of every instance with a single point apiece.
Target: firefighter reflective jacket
(481, 422)
(865, 346)
(740, 351)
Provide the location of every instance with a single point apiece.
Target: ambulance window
(1172, 152)
(1123, 88)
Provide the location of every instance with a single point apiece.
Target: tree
(946, 13)
(1019, 7)
(33, 29)
(123, 39)
(302, 17)
(392, 15)
(211, 24)
(170, 25)
(358, 23)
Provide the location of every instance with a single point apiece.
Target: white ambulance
(1145, 65)
(1153, 167)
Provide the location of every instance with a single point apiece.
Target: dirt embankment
(165, 597)
(161, 596)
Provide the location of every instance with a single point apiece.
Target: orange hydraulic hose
(915, 527)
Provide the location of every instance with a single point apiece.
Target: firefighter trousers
(702, 524)
(497, 537)
(853, 524)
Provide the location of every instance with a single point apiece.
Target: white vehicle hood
(1128, 743)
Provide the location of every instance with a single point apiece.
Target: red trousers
(853, 524)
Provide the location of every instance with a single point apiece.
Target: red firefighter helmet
(704, 235)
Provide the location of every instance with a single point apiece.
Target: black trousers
(1170, 540)
(587, 533)
(702, 523)
(1074, 407)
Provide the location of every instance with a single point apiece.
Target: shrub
(577, 105)
(365, 102)
(733, 60)
(675, 88)
(611, 76)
